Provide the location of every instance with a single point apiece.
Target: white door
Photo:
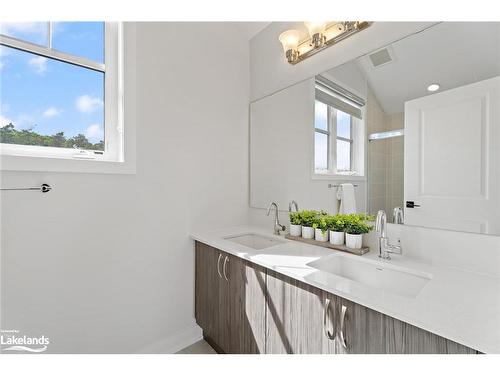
(452, 159)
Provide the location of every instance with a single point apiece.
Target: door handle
(218, 265)
(411, 204)
(326, 319)
(342, 326)
(224, 268)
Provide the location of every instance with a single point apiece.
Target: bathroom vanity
(259, 293)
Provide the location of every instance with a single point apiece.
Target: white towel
(345, 194)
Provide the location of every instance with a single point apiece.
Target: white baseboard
(175, 342)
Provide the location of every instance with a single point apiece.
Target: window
(338, 133)
(60, 92)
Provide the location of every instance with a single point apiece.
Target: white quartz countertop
(459, 305)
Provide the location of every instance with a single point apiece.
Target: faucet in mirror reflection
(398, 215)
(278, 228)
(293, 205)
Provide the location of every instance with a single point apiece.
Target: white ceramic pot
(295, 230)
(354, 241)
(307, 232)
(337, 238)
(320, 236)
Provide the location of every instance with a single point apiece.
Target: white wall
(350, 77)
(104, 263)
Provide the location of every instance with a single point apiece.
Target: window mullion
(326, 132)
(351, 147)
(50, 53)
(328, 141)
(49, 35)
(332, 125)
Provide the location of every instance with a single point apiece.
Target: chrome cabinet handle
(218, 265)
(342, 320)
(326, 319)
(224, 268)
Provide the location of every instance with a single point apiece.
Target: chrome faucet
(291, 205)
(397, 215)
(277, 226)
(384, 247)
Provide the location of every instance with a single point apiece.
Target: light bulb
(315, 28)
(290, 40)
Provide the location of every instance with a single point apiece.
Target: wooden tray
(328, 245)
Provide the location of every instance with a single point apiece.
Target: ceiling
(452, 54)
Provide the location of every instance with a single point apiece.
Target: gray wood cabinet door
(358, 330)
(207, 280)
(294, 321)
(223, 324)
(407, 339)
(247, 306)
(230, 301)
(361, 330)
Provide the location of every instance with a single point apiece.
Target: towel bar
(44, 188)
(332, 185)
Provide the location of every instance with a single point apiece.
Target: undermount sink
(253, 240)
(393, 279)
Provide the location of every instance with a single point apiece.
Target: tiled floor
(200, 347)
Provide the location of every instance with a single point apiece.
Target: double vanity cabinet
(245, 308)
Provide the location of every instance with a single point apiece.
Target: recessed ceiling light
(433, 87)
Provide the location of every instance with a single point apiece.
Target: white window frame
(332, 172)
(26, 157)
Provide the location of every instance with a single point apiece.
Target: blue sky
(48, 94)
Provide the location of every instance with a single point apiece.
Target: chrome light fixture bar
(321, 36)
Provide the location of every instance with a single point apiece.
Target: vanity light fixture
(433, 87)
(321, 35)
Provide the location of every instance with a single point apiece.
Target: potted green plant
(295, 224)
(365, 217)
(355, 228)
(336, 225)
(307, 219)
(320, 226)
